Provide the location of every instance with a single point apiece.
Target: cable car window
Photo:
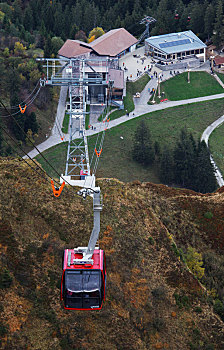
(73, 281)
(83, 289)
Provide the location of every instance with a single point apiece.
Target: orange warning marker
(57, 191)
(98, 153)
(62, 138)
(22, 110)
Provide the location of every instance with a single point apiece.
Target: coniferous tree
(219, 30)
(31, 123)
(205, 181)
(209, 20)
(48, 47)
(185, 155)
(28, 18)
(166, 170)
(143, 150)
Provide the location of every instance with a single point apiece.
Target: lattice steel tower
(82, 76)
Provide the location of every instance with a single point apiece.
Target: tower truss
(83, 76)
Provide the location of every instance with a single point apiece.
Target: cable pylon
(84, 77)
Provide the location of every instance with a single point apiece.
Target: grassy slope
(201, 84)
(143, 272)
(165, 126)
(221, 76)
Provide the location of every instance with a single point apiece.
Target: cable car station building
(175, 46)
(112, 45)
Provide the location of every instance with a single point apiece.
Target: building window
(201, 50)
(183, 54)
(192, 52)
(178, 54)
(188, 53)
(168, 56)
(197, 52)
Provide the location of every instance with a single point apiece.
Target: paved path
(140, 109)
(205, 137)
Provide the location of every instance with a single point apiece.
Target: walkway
(205, 137)
(140, 109)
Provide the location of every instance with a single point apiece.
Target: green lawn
(201, 84)
(216, 144)
(87, 117)
(221, 76)
(116, 159)
(65, 124)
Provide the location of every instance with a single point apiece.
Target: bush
(208, 215)
(198, 309)
(158, 323)
(3, 330)
(151, 240)
(5, 279)
(194, 262)
(219, 308)
(159, 293)
(182, 300)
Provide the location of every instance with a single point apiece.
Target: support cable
(18, 145)
(27, 98)
(21, 158)
(27, 105)
(34, 145)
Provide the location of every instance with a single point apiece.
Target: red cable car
(83, 287)
(176, 16)
(188, 18)
(83, 283)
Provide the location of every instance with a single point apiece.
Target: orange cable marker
(62, 138)
(57, 191)
(98, 153)
(22, 110)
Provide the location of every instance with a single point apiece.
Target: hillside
(153, 300)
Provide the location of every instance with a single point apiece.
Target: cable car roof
(70, 255)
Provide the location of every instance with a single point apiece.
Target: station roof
(110, 44)
(113, 42)
(176, 42)
(117, 75)
(73, 48)
(219, 60)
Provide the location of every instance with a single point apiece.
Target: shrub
(208, 215)
(182, 300)
(151, 240)
(219, 308)
(158, 323)
(194, 262)
(5, 279)
(3, 330)
(159, 292)
(198, 309)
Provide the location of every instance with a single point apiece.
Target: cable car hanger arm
(97, 207)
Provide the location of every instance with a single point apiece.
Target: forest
(36, 21)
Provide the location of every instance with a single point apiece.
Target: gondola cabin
(83, 286)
